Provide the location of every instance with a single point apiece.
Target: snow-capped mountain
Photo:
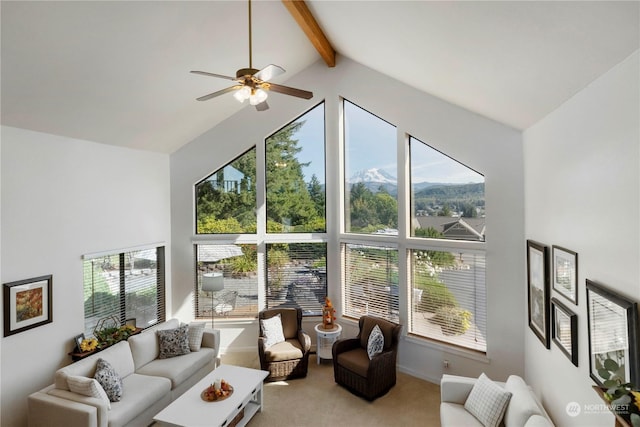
(373, 175)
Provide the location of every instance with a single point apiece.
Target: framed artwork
(27, 304)
(538, 290)
(564, 330)
(78, 340)
(565, 273)
(613, 334)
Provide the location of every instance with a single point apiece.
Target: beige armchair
(352, 368)
(289, 358)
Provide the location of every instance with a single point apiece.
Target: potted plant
(623, 397)
(452, 320)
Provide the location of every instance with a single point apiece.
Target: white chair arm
(455, 389)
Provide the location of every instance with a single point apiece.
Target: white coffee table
(190, 410)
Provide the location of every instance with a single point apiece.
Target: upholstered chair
(354, 370)
(288, 357)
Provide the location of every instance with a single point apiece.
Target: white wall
(62, 198)
(491, 148)
(582, 191)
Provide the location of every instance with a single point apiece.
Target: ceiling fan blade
(204, 73)
(290, 91)
(269, 72)
(263, 106)
(218, 93)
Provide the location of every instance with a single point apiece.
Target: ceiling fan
(253, 84)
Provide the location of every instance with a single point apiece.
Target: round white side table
(325, 340)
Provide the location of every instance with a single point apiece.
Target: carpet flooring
(318, 401)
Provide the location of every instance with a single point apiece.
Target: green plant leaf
(604, 374)
(611, 365)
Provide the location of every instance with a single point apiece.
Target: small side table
(325, 340)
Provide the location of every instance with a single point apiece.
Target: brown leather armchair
(352, 368)
(288, 359)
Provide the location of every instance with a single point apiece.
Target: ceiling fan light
(260, 95)
(242, 94)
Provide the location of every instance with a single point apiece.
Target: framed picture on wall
(27, 304)
(538, 290)
(565, 273)
(613, 335)
(564, 330)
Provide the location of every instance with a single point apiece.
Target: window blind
(297, 276)
(125, 285)
(370, 281)
(448, 297)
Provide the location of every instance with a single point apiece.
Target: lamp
(212, 282)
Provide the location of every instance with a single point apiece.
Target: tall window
(442, 290)
(226, 199)
(292, 240)
(371, 184)
(448, 290)
(127, 285)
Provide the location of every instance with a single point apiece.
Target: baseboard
(421, 375)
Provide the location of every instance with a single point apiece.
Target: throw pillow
(173, 342)
(375, 344)
(88, 387)
(487, 401)
(196, 330)
(109, 379)
(272, 330)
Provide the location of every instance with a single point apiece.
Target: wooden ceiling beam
(308, 24)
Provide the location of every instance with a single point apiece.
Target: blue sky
(371, 143)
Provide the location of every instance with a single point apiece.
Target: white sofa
(523, 410)
(149, 383)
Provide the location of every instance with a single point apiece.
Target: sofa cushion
(173, 342)
(118, 356)
(375, 343)
(178, 369)
(522, 404)
(109, 379)
(88, 387)
(140, 393)
(144, 346)
(487, 401)
(355, 360)
(272, 330)
(286, 350)
(196, 331)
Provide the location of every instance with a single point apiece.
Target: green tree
(230, 203)
(446, 210)
(288, 199)
(318, 195)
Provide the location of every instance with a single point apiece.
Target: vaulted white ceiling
(118, 72)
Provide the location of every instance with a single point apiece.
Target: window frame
(404, 240)
(160, 282)
(261, 238)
